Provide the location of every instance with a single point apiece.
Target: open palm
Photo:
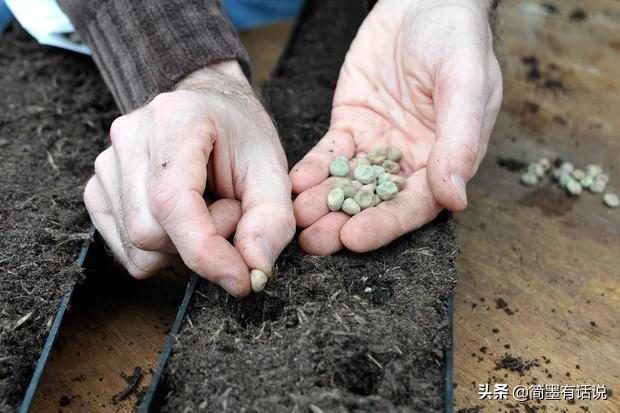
(420, 76)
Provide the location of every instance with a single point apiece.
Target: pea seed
(399, 181)
(364, 174)
(368, 187)
(350, 187)
(573, 187)
(383, 178)
(258, 279)
(586, 181)
(536, 169)
(387, 190)
(391, 167)
(364, 198)
(545, 163)
(394, 154)
(350, 207)
(603, 177)
(598, 186)
(339, 167)
(335, 198)
(567, 167)
(611, 200)
(367, 290)
(377, 156)
(378, 170)
(578, 174)
(529, 179)
(564, 178)
(556, 173)
(594, 170)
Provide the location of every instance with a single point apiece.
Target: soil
(54, 114)
(314, 339)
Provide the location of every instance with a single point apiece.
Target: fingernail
(230, 285)
(459, 185)
(267, 253)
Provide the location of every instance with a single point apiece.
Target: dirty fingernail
(230, 285)
(459, 185)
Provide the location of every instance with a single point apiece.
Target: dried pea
(258, 280)
(536, 169)
(350, 187)
(578, 174)
(364, 198)
(394, 154)
(377, 156)
(339, 167)
(391, 167)
(335, 198)
(399, 181)
(573, 187)
(586, 181)
(611, 200)
(387, 190)
(350, 207)
(378, 170)
(529, 179)
(364, 174)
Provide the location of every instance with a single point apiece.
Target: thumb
(460, 105)
(268, 223)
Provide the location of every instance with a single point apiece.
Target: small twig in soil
(133, 380)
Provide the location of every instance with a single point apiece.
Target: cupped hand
(209, 134)
(420, 75)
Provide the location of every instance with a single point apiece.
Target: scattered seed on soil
(536, 169)
(394, 154)
(529, 179)
(350, 187)
(611, 200)
(545, 163)
(594, 170)
(364, 174)
(335, 198)
(578, 174)
(339, 167)
(350, 207)
(564, 179)
(567, 167)
(391, 167)
(258, 280)
(364, 198)
(603, 177)
(377, 156)
(573, 187)
(387, 190)
(557, 173)
(368, 290)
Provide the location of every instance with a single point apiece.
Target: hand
(146, 198)
(420, 75)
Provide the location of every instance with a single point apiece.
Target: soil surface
(54, 114)
(349, 332)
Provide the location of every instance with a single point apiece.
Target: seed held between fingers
(335, 198)
(258, 280)
(350, 207)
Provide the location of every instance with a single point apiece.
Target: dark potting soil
(54, 114)
(317, 337)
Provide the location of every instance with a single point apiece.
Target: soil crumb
(133, 381)
(511, 164)
(515, 364)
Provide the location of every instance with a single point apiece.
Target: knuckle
(89, 194)
(163, 202)
(143, 235)
(102, 163)
(118, 129)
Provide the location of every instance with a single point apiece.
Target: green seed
(378, 170)
(387, 190)
(368, 187)
(567, 167)
(586, 181)
(349, 187)
(339, 167)
(557, 173)
(545, 163)
(564, 178)
(536, 169)
(391, 167)
(258, 279)
(364, 198)
(384, 177)
(376, 156)
(594, 170)
(598, 186)
(573, 187)
(335, 198)
(394, 154)
(350, 207)
(399, 181)
(603, 177)
(578, 174)
(611, 200)
(529, 179)
(364, 174)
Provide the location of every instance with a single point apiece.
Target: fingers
(268, 223)
(314, 167)
(226, 214)
(177, 179)
(461, 98)
(323, 236)
(378, 226)
(310, 205)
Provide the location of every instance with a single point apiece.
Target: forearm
(144, 48)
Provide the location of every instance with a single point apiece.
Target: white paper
(46, 22)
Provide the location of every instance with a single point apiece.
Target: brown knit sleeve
(144, 47)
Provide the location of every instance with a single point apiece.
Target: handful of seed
(371, 180)
(573, 180)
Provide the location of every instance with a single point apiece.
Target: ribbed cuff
(144, 48)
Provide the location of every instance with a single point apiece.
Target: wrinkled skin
(146, 198)
(421, 76)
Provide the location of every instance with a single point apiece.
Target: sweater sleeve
(144, 47)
